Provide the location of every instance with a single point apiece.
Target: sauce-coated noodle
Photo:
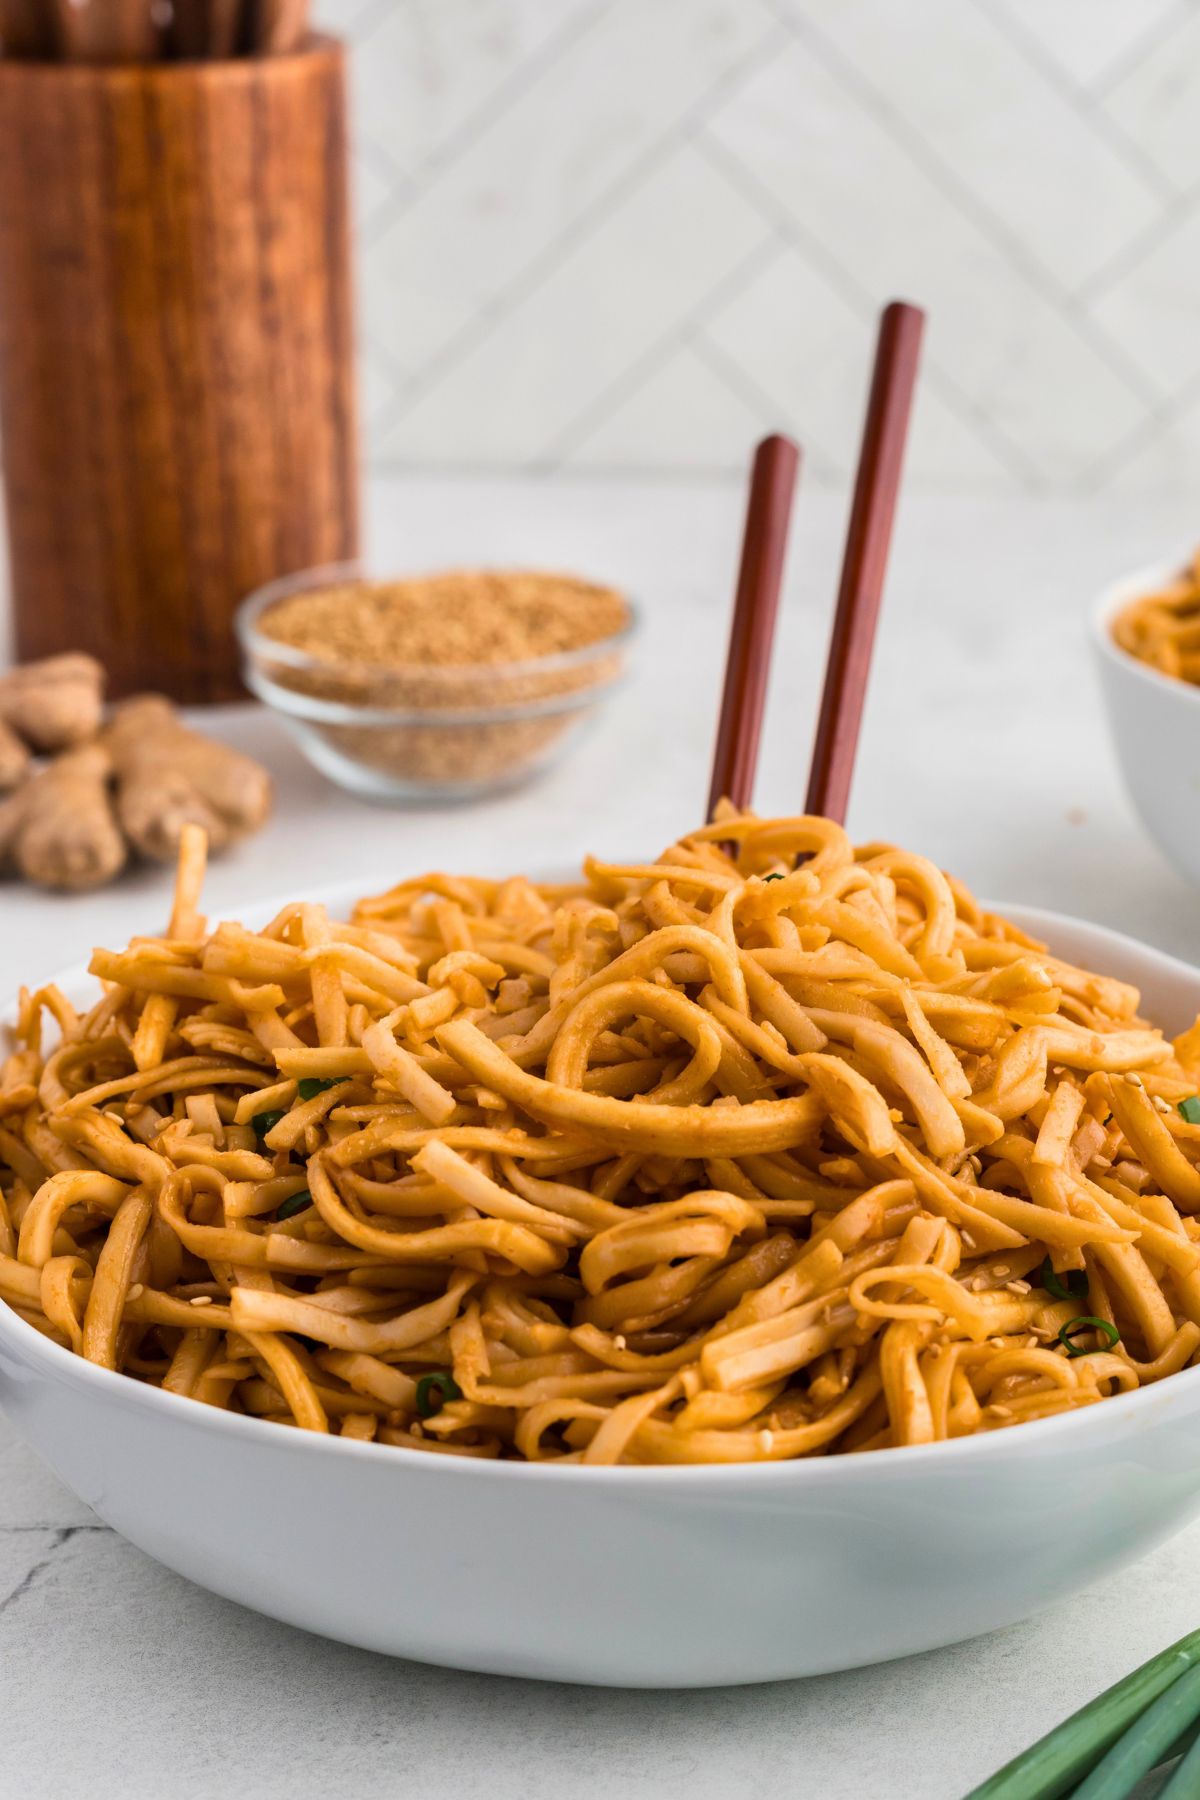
(770, 1148)
(1163, 628)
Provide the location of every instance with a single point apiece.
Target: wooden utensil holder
(177, 403)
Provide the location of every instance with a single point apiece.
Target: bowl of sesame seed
(436, 687)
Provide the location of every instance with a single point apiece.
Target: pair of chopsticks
(139, 31)
(864, 565)
(1152, 1717)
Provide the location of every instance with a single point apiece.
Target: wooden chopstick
(226, 27)
(107, 30)
(868, 537)
(25, 29)
(764, 546)
(191, 29)
(279, 25)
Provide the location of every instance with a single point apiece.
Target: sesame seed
(1135, 1080)
(136, 1291)
(1018, 1287)
(1001, 1412)
(1001, 1269)
(618, 1342)
(200, 1300)
(460, 618)
(766, 1439)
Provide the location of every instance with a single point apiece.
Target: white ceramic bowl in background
(651, 1577)
(1155, 725)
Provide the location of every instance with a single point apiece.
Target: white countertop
(985, 749)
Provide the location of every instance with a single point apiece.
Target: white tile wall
(634, 234)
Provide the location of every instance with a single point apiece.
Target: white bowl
(1155, 724)
(645, 1577)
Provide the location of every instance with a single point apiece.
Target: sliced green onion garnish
(289, 1208)
(433, 1392)
(1189, 1109)
(1072, 1284)
(772, 877)
(1058, 1762)
(264, 1122)
(1085, 1322)
(310, 1087)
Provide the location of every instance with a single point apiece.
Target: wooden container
(176, 359)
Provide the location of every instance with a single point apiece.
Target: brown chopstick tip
(907, 307)
(778, 444)
(904, 323)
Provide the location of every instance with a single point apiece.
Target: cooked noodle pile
(1163, 628)
(767, 1149)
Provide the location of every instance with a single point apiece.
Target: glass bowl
(414, 731)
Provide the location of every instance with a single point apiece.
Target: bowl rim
(257, 647)
(1104, 610)
(19, 1338)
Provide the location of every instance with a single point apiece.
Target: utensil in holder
(177, 404)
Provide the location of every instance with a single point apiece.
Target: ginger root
(133, 784)
(16, 759)
(168, 776)
(55, 704)
(59, 830)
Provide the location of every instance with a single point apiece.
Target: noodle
(771, 1148)
(1163, 628)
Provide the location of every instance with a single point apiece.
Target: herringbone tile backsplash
(630, 235)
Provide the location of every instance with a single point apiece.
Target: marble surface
(985, 748)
